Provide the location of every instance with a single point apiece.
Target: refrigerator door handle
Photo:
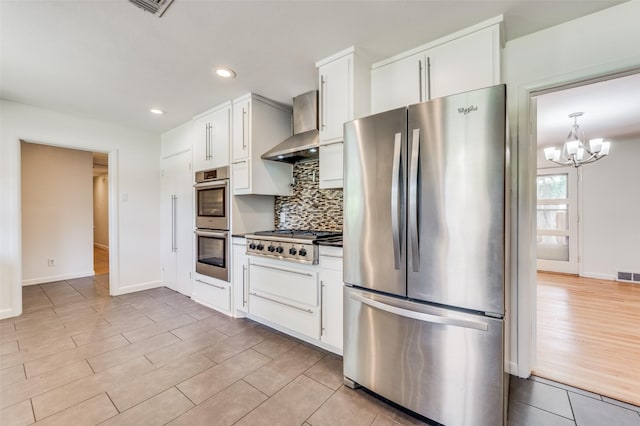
(435, 319)
(413, 200)
(395, 193)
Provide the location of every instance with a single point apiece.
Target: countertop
(332, 242)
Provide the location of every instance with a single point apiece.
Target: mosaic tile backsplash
(309, 207)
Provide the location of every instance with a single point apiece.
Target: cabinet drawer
(297, 285)
(296, 317)
(215, 295)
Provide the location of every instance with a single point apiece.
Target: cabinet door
(331, 288)
(241, 129)
(463, 64)
(331, 166)
(399, 83)
(177, 223)
(336, 104)
(221, 137)
(240, 279)
(240, 176)
(184, 225)
(202, 149)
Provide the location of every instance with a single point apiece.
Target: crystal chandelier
(574, 152)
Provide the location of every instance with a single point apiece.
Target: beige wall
(57, 214)
(101, 211)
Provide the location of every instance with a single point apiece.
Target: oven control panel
(286, 250)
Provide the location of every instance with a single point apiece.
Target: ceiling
(611, 111)
(110, 61)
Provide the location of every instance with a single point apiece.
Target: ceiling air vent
(156, 7)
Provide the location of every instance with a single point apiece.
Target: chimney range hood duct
(305, 142)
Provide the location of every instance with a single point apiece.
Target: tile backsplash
(309, 207)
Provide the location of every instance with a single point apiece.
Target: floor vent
(156, 7)
(633, 277)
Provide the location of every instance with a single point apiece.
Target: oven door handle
(211, 184)
(214, 234)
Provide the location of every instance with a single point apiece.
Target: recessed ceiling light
(225, 72)
(156, 111)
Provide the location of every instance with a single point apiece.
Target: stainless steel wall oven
(212, 223)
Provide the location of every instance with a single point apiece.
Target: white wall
(101, 211)
(57, 214)
(610, 237)
(596, 44)
(134, 178)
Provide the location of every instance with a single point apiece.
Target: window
(553, 217)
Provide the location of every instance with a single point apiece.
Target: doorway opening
(64, 199)
(588, 314)
(100, 213)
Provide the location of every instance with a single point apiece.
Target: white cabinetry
(331, 293)
(177, 222)
(344, 96)
(213, 138)
(285, 296)
(258, 125)
(466, 60)
(240, 277)
(212, 292)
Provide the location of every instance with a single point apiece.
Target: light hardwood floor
(589, 334)
(100, 260)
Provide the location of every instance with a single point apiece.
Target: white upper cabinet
(258, 125)
(344, 81)
(212, 138)
(464, 64)
(466, 60)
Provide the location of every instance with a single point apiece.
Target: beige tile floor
(80, 357)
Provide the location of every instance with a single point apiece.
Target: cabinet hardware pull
(310, 311)
(174, 236)
(323, 81)
(293, 271)
(331, 143)
(244, 145)
(321, 308)
(428, 78)
(212, 285)
(244, 291)
(420, 80)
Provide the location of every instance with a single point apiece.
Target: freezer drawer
(442, 364)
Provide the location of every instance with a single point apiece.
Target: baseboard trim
(102, 246)
(599, 276)
(53, 278)
(136, 287)
(7, 313)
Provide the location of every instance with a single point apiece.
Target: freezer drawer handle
(455, 322)
(395, 194)
(413, 200)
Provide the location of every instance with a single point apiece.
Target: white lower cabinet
(240, 277)
(331, 287)
(287, 296)
(304, 301)
(212, 292)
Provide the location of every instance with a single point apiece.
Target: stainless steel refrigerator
(424, 256)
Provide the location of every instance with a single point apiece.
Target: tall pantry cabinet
(177, 222)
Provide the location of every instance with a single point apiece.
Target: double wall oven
(212, 223)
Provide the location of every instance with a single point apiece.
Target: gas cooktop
(288, 244)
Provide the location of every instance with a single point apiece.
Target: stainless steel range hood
(304, 143)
